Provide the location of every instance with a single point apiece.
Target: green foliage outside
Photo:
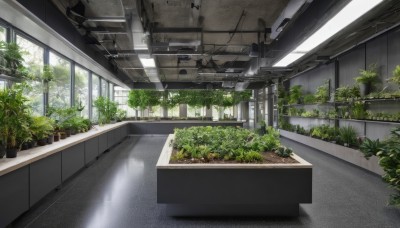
(142, 99)
(223, 143)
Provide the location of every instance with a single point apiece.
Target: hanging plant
(396, 75)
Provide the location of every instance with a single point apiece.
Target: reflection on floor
(119, 190)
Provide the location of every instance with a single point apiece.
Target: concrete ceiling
(208, 41)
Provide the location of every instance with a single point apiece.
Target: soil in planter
(269, 158)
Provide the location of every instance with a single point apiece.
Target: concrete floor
(119, 190)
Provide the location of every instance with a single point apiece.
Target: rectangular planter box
(352, 156)
(232, 189)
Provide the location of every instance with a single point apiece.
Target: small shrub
(370, 147)
(283, 151)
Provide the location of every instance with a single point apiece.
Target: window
(3, 33)
(111, 91)
(121, 97)
(34, 60)
(104, 88)
(60, 87)
(173, 112)
(82, 90)
(195, 111)
(95, 95)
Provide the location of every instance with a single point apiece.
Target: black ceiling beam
(199, 30)
(102, 30)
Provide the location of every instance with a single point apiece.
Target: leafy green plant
(367, 76)
(358, 110)
(324, 132)
(309, 99)
(120, 115)
(396, 75)
(14, 116)
(41, 127)
(227, 143)
(322, 93)
(283, 151)
(295, 94)
(347, 136)
(389, 160)
(107, 109)
(370, 147)
(250, 157)
(346, 93)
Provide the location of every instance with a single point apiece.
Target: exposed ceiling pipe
(140, 43)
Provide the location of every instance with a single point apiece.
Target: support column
(183, 110)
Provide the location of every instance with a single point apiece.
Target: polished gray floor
(119, 190)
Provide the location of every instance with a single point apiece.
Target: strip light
(351, 12)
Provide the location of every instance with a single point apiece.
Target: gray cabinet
(45, 175)
(103, 143)
(91, 149)
(73, 159)
(14, 197)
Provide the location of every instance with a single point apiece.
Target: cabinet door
(73, 159)
(44, 176)
(14, 197)
(91, 149)
(103, 143)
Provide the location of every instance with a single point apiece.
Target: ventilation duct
(290, 10)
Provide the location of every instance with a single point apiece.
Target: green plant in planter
(107, 109)
(309, 99)
(358, 110)
(322, 93)
(370, 147)
(295, 94)
(366, 79)
(283, 151)
(389, 160)
(120, 115)
(347, 136)
(396, 75)
(14, 121)
(346, 93)
(41, 127)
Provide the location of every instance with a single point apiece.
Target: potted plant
(120, 115)
(322, 93)
(366, 78)
(14, 123)
(41, 128)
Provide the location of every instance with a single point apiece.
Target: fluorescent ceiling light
(148, 62)
(289, 58)
(351, 12)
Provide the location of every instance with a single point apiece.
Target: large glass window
(111, 91)
(121, 97)
(95, 95)
(60, 87)
(34, 60)
(82, 89)
(104, 88)
(3, 33)
(173, 112)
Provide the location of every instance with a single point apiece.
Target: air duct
(140, 43)
(290, 10)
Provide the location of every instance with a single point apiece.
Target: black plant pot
(25, 146)
(42, 142)
(56, 137)
(50, 139)
(11, 153)
(365, 89)
(2, 150)
(73, 131)
(63, 135)
(68, 132)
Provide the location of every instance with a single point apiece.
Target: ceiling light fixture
(147, 62)
(351, 12)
